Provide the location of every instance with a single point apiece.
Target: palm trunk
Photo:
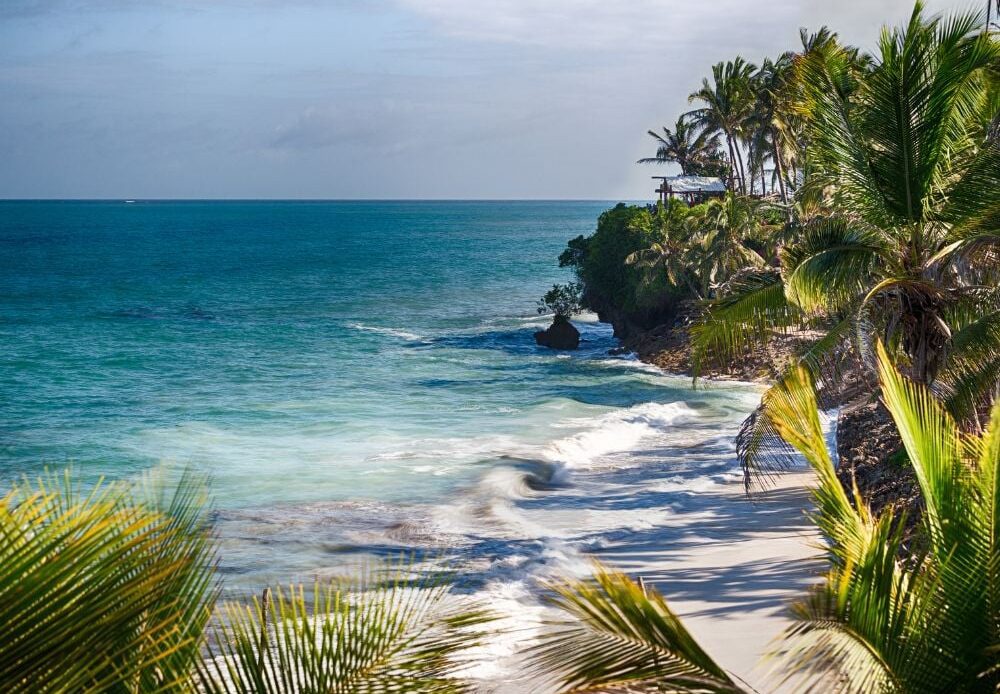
(692, 288)
(743, 172)
(732, 164)
(924, 339)
(779, 172)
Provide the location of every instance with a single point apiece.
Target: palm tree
(910, 176)
(674, 253)
(903, 161)
(705, 247)
(734, 238)
(771, 122)
(875, 624)
(726, 102)
(687, 145)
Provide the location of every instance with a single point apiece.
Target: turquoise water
(354, 376)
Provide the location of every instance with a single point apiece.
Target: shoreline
(731, 570)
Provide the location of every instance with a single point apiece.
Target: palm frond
(617, 638)
(377, 633)
(849, 631)
(752, 306)
(874, 625)
(832, 262)
(961, 524)
(793, 412)
(970, 380)
(761, 450)
(101, 590)
(933, 446)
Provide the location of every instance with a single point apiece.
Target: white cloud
(654, 24)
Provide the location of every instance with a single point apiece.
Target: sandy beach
(731, 568)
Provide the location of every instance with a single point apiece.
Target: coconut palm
(726, 101)
(734, 237)
(908, 249)
(771, 121)
(874, 624)
(911, 177)
(709, 245)
(690, 147)
(676, 254)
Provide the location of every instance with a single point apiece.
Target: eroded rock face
(560, 335)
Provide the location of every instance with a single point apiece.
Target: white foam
(632, 362)
(453, 449)
(392, 332)
(615, 432)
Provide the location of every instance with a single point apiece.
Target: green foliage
(875, 624)
(112, 590)
(726, 102)
(378, 633)
(563, 300)
(894, 234)
(600, 260)
(640, 259)
(614, 637)
(752, 305)
(694, 149)
(576, 251)
(107, 590)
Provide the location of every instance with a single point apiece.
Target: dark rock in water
(618, 351)
(560, 335)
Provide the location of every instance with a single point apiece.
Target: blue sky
(376, 99)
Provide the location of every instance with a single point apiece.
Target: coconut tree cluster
(887, 167)
(743, 127)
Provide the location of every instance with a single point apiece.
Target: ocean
(357, 379)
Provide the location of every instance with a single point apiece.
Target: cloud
(653, 25)
(32, 8)
(350, 98)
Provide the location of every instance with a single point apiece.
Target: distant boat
(130, 201)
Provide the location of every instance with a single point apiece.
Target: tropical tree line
(882, 220)
(744, 120)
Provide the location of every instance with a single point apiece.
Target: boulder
(560, 335)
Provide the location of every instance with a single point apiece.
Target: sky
(482, 99)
